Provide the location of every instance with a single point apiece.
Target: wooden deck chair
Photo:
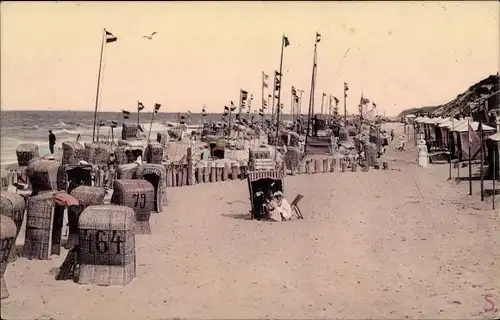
(295, 206)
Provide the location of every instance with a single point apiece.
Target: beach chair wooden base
(295, 206)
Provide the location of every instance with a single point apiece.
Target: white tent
(495, 137)
(455, 123)
(464, 127)
(463, 132)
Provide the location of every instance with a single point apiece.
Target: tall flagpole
(311, 95)
(274, 96)
(279, 96)
(300, 104)
(269, 101)
(230, 112)
(262, 102)
(138, 113)
(241, 103)
(345, 106)
(322, 102)
(98, 86)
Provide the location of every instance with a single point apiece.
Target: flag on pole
(346, 88)
(277, 80)
(244, 97)
(226, 111)
(157, 107)
(203, 112)
(126, 114)
(286, 41)
(140, 106)
(294, 91)
(364, 100)
(102, 123)
(261, 112)
(474, 140)
(318, 37)
(373, 104)
(264, 78)
(335, 99)
(264, 103)
(110, 37)
(233, 107)
(113, 124)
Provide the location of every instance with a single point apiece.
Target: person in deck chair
(280, 209)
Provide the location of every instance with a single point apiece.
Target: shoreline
(377, 244)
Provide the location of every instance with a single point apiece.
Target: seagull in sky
(151, 36)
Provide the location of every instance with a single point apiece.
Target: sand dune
(403, 243)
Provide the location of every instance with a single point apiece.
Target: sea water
(33, 126)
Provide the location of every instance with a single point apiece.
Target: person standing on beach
(52, 141)
(205, 154)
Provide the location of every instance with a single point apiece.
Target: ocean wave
(66, 131)
(60, 124)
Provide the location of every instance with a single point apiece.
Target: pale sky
(401, 54)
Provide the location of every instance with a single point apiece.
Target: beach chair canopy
(65, 200)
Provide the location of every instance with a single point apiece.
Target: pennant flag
(336, 100)
(294, 91)
(474, 141)
(286, 41)
(233, 107)
(261, 112)
(346, 88)
(126, 114)
(226, 108)
(110, 37)
(140, 106)
(318, 37)
(277, 81)
(203, 112)
(264, 103)
(324, 94)
(157, 107)
(114, 124)
(472, 134)
(264, 78)
(244, 95)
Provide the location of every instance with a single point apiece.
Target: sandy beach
(403, 243)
